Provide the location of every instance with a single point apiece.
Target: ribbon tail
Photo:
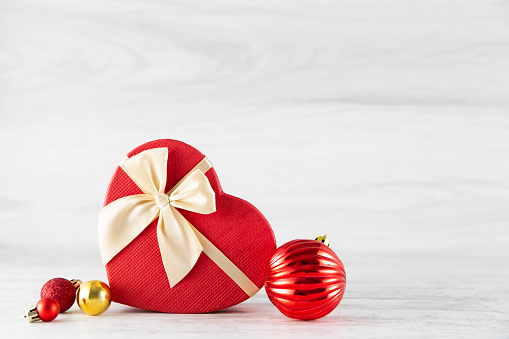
(228, 267)
(178, 244)
(123, 220)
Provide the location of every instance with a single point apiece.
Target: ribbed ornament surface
(305, 279)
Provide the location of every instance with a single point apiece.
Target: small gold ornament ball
(93, 297)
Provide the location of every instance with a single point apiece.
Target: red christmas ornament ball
(48, 309)
(60, 289)
(305, 279)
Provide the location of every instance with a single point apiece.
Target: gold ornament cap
(31, 314)
(323, 240)
(93, 297)
(76, 283)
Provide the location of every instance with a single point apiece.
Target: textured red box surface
(136, 274)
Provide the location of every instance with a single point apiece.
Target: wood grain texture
(383, 124)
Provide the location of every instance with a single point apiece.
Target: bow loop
(194, 194)
(148, 170)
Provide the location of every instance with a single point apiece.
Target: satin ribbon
(180, 243)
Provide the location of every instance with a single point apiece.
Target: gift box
(172, 241)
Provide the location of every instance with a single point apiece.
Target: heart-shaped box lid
(136, 274)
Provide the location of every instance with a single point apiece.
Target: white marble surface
(383, 124)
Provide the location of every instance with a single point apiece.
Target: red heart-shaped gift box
(136, 274)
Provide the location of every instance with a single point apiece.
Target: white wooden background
(384, 124)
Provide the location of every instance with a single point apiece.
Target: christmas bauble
(305, 279)
(47, 308)
(60, 289)
(93, 297)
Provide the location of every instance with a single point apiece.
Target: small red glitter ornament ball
(305, 279)
(47, 308)
(60, 289)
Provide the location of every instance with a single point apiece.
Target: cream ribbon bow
(124, 219)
